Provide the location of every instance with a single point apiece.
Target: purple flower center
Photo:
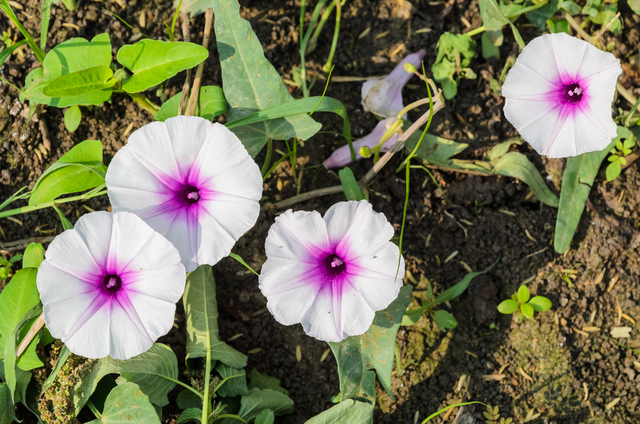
(189, 194)
(112, 283)
(572, 93)
(334, 266)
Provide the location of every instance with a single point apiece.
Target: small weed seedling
(617, 157)
(520, 302)
(493, 417)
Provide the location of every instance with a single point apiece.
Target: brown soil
(540, 366)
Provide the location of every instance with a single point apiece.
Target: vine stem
(187, 83)
(52, 203)
(437, 105)
(195, 90)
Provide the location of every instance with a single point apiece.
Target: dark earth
(543, 370)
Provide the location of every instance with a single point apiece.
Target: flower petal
(187, 135)
(357, 314)
(569, 54)
(86, 334)
(298, 236)
(127, 335)
(71, 250)
(319, 320)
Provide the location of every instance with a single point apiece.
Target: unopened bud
(365, 152)
(410, 67)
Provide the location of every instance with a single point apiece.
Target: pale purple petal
(332, 274)
(124, 299)
(342, 156)
(199, 170)
(384, 97)
(559, 94)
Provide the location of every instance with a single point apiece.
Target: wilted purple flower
(109, 286)
(331, 274)
(559, 93)
(384, 97)
(190, 180)
(342, 156)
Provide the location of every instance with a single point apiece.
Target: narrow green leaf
(80, 82)
(434, 149)
(67, 180)
(319, 104)
(501, 149)
(527, 310)
(540, 303)
(72, 118)
(508, 306)
(190, 414)
(252, 83)
(62, 358)
(44, 23)
(444, 320)
(154, 61)
(515, 164)
(66, 224)
(456, 290)
(350, 185)
(523, 294)
(4, 54)
(348, 412)
(579, 175)
(211, 103)
(201, 312)
(33, 256)
(127, 404)
(5, 404)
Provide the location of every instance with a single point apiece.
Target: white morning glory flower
(331, 274)
(342, 156)
(559, 93)
(109, 286)
(190, 180)
(384, 97)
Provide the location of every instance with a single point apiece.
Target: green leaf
(62, 358)
(459, 288)
(557, 26)
(72, 118)
(78, 170)
(154, 61)
(515, 164)
(310, 104)
(187, 399)
(540, 15)
(444, 320)
(66, 58)
(148, 370)
(452, 49)
(265, 417)
(33, 256)
(4, 54)
(190, 414)
(374, 350)
(488, 49)
(494, 19)
(433, 149)
(16, 299)
(348, 412)
(527, 310)
(5, 402)
(579, 175)
(201, 312)
(614, 169)
(258, 380)
(211, 103)
(127, 404)
(350, 185)
(101, 393)
(501, 149)
(29, 359)
(523, 294)
(196, 7)
(236, 385)
(633, 4)
(570, 7)
(252, 83)
(540, 303)
(508, 306)
(260, 399)
(80, 82)
(66, 224)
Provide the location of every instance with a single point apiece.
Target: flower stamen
(112, 283)
(334, 266)
(190, 194)
(572, 93)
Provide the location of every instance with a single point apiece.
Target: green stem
(93, 409)
(39, 206)
(303, 47)
(631, 112)
(336, 33)
(313, 42)
(237, 417)
(514, 15)
(10, 85)
(145, 103)
(475, 31)
(6, 7)
(267, 160)
(206, 400)
(275, 165)
(446, 199)
(224, 381)
(172, 31)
